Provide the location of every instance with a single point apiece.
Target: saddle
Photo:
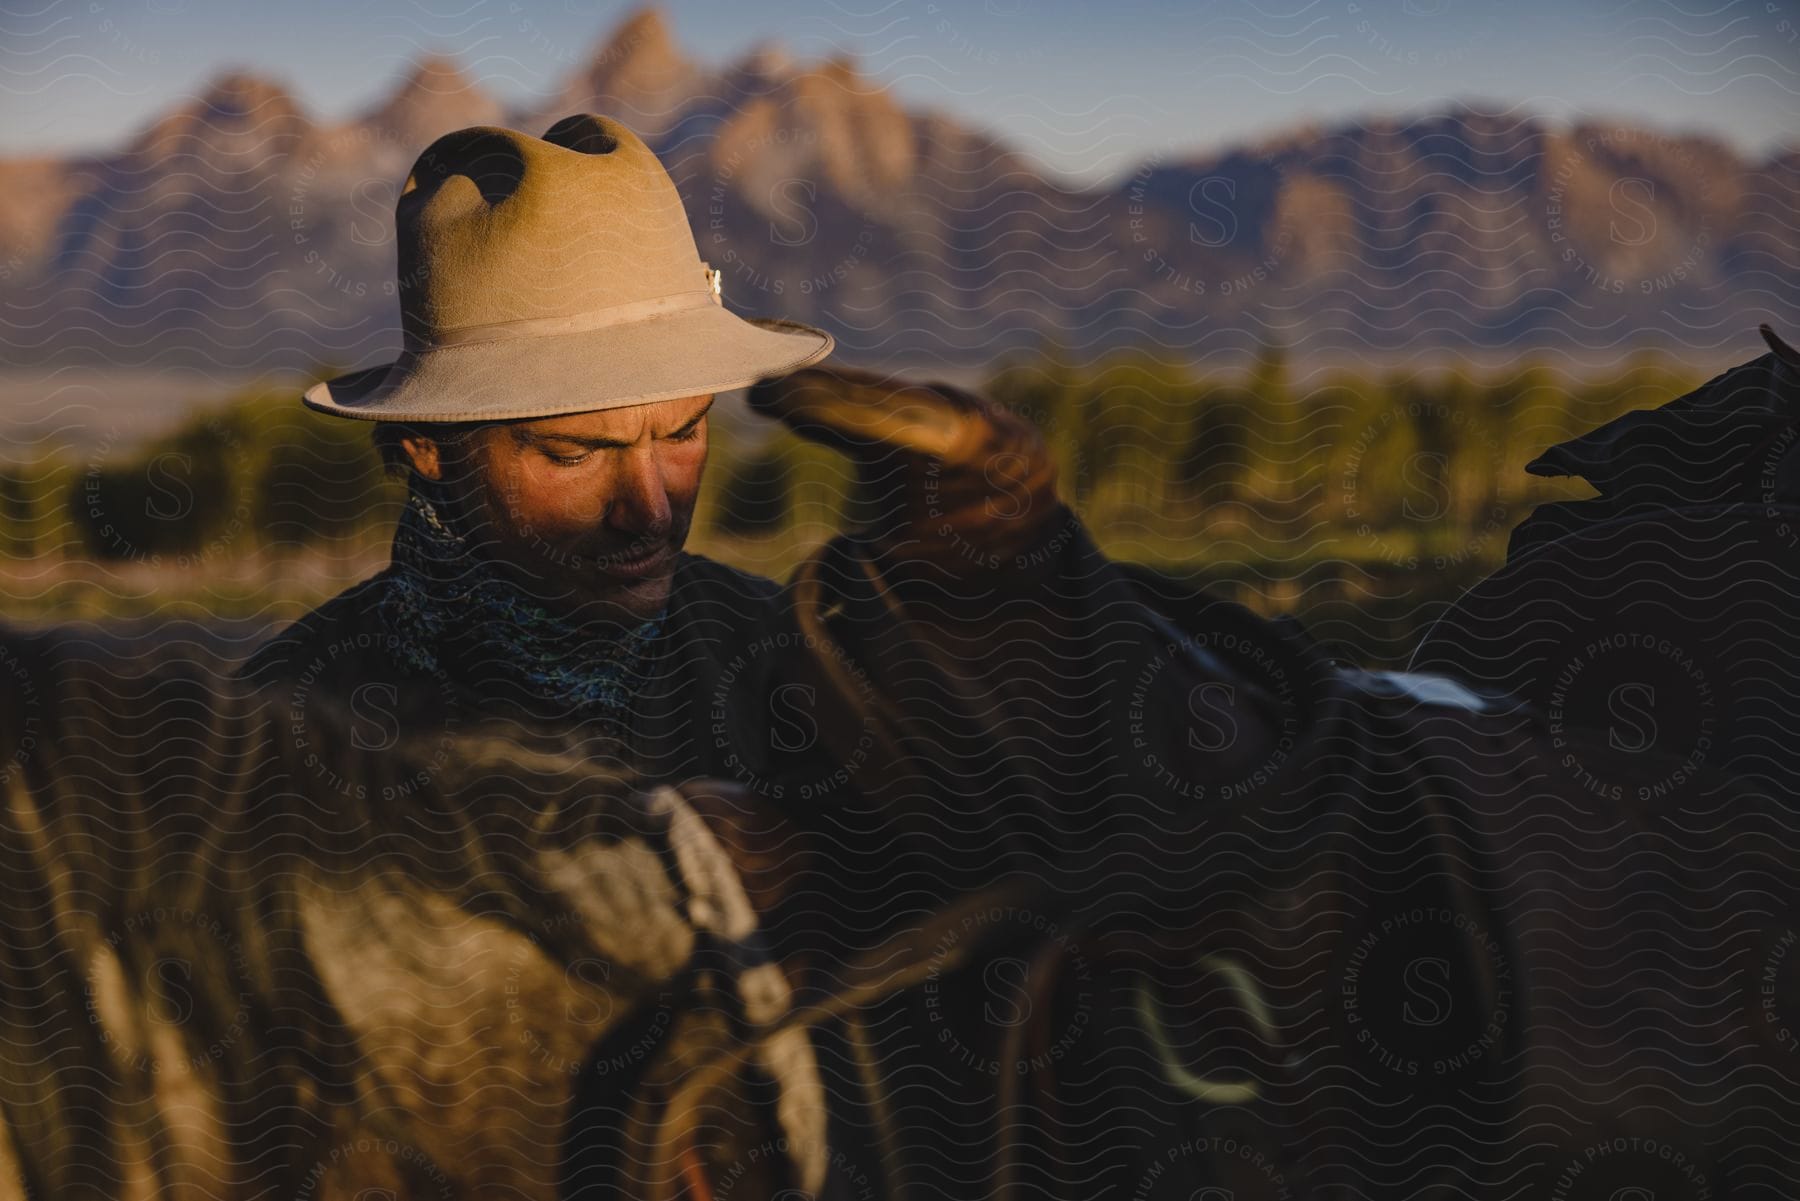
(1270, 925)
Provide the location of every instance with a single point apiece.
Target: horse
(254, 951)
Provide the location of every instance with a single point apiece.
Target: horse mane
(174, 850)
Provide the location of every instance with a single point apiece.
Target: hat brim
(693, 352)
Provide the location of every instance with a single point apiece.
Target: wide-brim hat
(554, 275)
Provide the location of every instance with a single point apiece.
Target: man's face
(588, 509)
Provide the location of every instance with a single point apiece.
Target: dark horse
(1136, 894)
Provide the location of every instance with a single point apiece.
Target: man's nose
(639, 505)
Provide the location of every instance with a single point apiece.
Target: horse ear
(1785, 355)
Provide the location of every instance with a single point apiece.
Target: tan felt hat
(541, 276)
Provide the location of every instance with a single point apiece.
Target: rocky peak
(865, 140)
(643, 35)
(434, 98)
(432, 75)
(236, 112)
(639, 55)
(765, 60)
(638, 75)
(239, 95)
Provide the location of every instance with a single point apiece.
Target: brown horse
(251, 953)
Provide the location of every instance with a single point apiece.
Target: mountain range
(237, 231)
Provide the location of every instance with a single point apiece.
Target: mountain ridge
(238, 229)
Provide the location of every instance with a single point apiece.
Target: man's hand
(958, 481)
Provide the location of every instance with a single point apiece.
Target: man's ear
(425, 455)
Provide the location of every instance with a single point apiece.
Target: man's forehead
(623, 422)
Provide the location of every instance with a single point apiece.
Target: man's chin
(628, 600)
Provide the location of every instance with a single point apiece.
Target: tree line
(1261, 479)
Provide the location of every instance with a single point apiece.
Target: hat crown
(495, 227)
(543, 276)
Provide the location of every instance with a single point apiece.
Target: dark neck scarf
(445, 598)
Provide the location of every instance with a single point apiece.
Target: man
(564, 345)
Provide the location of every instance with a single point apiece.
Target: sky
(1088, 88)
